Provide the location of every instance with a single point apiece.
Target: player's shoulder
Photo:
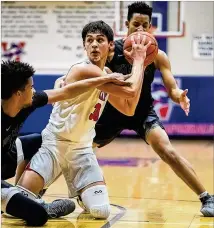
(161, 59)
(161, 54)
(81, 64)
(86, 68)
(83, 70)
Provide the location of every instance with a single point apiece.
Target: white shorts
(78, 165)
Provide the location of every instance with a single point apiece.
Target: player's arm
(175, 93)
(135, 80)
(124, 105)
(138, 54)
(128, 91)
(76, 88)
(78, 73)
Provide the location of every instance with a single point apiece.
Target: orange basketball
(151, 51)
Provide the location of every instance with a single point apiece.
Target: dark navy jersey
(10, 127)
(121, 65)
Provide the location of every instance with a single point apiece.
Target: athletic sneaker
(207, 208)
(58, 208)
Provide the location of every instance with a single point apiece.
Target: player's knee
(39, 216)
(169, 155)
(96, 201)
(101, 211)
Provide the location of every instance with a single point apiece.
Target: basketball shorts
(106, 132)
(78, 165)
(24, 149)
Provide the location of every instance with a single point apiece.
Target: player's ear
(111, 50)
(83, 45)
(111, 46)
(127, 24)
(18, 93)
(150, 25)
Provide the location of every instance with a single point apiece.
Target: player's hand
(139, 48)
(120, 79)
(185, 102)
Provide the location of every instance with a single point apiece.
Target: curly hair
(14, 77)
(139, 7)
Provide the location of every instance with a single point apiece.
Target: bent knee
(96, 201)
(168, 154)
(101, 211)
(171, 157)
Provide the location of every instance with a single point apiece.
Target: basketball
(151, 51)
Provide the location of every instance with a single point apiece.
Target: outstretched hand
(139, 48)
(185, 102)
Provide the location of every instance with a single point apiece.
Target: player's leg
(26, 146)
(156, 136)
(95, 199)
(17, 205)
(160, 143)
(85, 178)
(41, 172)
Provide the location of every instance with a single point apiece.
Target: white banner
(203, 46)
(48, 34)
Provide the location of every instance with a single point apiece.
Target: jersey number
(95, 115)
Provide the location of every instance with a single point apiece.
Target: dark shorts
(30, 144)
(106, 130)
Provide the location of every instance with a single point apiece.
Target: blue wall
(199, 122)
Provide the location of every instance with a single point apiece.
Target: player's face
(97, 47)
(138, 22)
(26, 95)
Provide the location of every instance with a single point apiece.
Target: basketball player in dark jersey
(145, 121)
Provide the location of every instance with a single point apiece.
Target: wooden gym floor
(143, 191)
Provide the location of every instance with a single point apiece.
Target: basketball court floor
(144, 192)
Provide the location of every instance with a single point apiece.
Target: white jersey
(74, 119)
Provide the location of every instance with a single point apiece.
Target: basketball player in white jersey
(68, 137)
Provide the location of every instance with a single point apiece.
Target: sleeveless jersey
(74, 119)
(121, 65)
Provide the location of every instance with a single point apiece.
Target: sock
(24, 208)
(203, 194)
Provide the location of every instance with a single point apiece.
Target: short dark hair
(100, 27)
(14, 77)
(139, 7)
